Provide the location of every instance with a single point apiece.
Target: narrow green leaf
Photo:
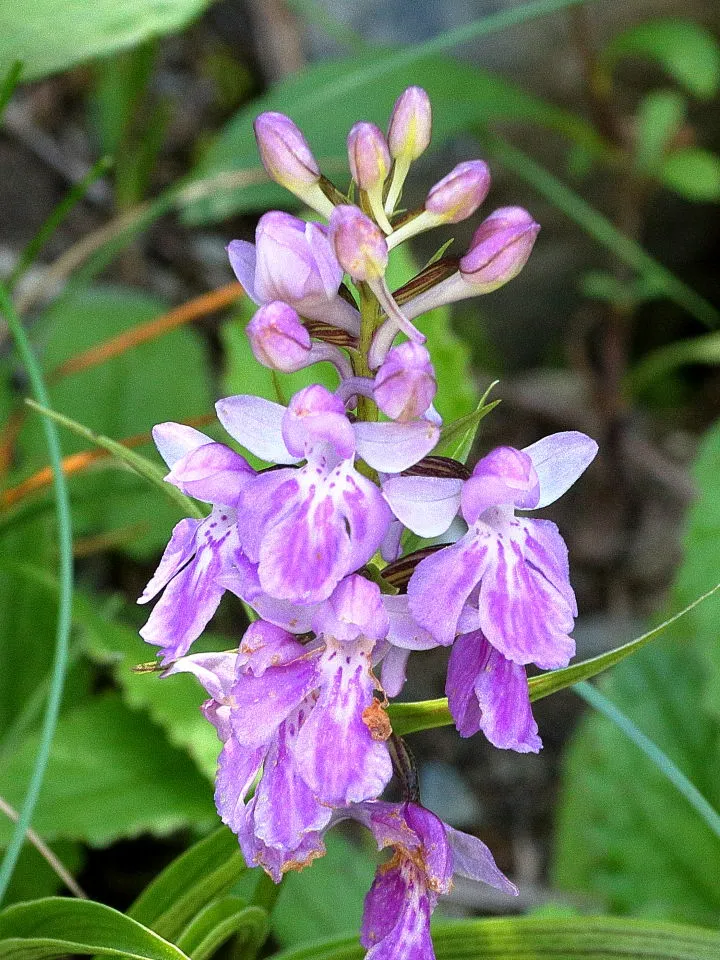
(601, 229)
(654, 366)
(8, 84)
(64, 615)
(129, 458)
(204, 872)
(694, 173)
(219, 921)
(556, 938)
(684, 48)
(424, 715)
(457, 438)
(57, 926)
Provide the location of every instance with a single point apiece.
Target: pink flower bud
(460, 193)
(278, 339)
(288, 159)
(359, 243)
(368, 155)
(405, 384)
(410, 124)
(500, 248)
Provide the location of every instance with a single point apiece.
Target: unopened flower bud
(500, 248)
(454, 198)
(408, 136)
(405, 384)
(288, 159)
(278, 339)
(359, 243)
(370, 164)
(410, 124)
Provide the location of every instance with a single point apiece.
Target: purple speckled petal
(175, 440)
(521, 613)
(237, 768)
(285, 808)
(263, 501)
(260, 704)
(266, 645)
(472, 859)
(436, 856)
(257, 425)
(393, 447)
(393, 671)
(443, 581)
(489, 693)
(335, 752)
(396, 919)
(192, 596)
(243, 260)
(242, 580)
(330, 526)
(178, 552)
(559, 460)
(425, 505)
(404, 631)
(545, 549)
(212, 472)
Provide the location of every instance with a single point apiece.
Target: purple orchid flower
(199, 551)
(308, 528)
(426, 855)
(504, 586)
(294, 262)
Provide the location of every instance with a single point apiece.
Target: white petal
(559, 460)
(393, 447)
(426, 505)
(174, 441)
(257, 425)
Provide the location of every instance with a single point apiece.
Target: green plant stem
(600, 228)
(664, 764)
(8, 84)
(62, 637)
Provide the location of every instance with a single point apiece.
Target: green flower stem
(60, 663)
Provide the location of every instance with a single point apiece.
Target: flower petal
(394, 666)
(426, 505)
(393, 447)
(257, 425)
(178, 552)
(559, 460)
(260, 704)
(335, 752)
(215, 671)
(472, 859)
(237, 768)
(404, 631)
(175, 440)
(212, 472)
(442, 583)
(243, 260)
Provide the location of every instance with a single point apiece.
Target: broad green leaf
(33, 877)
(56, 926)
(694, 173)
(217, 922)
(660, 116)
(624, 832)
(186, 886)
(424, 715)
(684, 48)
(700, 562)
(326, 899)
(161, 380)
(52, 35)
(112, 774)
(322, 101)
(549, 938)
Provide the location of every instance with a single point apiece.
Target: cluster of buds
(314, 543)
